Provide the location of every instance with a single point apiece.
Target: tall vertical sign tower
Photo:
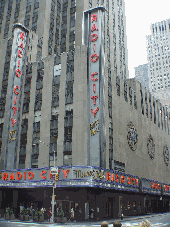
(94, 39)
(16, 74)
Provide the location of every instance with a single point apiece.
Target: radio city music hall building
(65, 89)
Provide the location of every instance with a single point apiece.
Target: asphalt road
(156, 220)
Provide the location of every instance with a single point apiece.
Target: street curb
(87, 223)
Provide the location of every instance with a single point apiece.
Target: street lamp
(53, 192)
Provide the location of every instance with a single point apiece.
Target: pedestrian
(91, 213)
(72, 214)
(145, 223)
(104, 224)
(49, 214)
(117, 224)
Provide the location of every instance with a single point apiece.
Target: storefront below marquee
(97, 200)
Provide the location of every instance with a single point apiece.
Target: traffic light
(54, 197)
(57, 177)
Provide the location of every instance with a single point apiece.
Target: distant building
(158, 51)
(141, 74)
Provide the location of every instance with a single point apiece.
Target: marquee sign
(150, 186)
(94, 39)
(81, 176)
(16, 71)
(67, 176)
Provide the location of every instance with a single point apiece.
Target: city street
(155, 219)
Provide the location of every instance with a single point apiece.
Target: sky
(140, 14)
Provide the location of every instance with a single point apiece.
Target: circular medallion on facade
(132, 136)
(151, 146)
(166, 154)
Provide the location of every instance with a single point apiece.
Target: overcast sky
(139, 16)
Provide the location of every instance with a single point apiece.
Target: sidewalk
(110, 221)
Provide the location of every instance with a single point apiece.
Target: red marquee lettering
(20, 53)
(94, 55)
(94, 28)
(94, 79)
(123, 179)
(137, 182)
(21, 45)
(93, 17)
(19, 176)
(108, 176)
(11, 177)
(32, 175)
(43, 172)
(113, 177)
(94, 37)
(24, 175)
(15, 109)
(22, 35)
(94, 112)
(5, 176)
(18, 72)
(117, 177)
(66, 172)
(128, 180)
(13, 121)
(94, 99)
(16, 87)
(49, 174)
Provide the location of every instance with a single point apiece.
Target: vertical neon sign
(94, 39)
(16, 71)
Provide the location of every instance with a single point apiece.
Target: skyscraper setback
(158, 51)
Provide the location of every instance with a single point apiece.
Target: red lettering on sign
(32, 175)
(94, 112)
(22, 35)
(19, 176)
(15, 100)
(50, 174)
(24, 175)
(19, 64)
(93, 17)
(123, 179)
(66, 172)
(13, 121)
(20, 53)
(94, 47)
(15, 109)
(94, 55)
(11, 177)
(16, 87)
(18, 72)
(137, 182)
(94, 86)
(128, 180)
(94, 28)
(113, 177)
(94, 79)
(108, 176)
(21, 45)
(5, 176)
(94, 98)
(94, 37)
(117, 177)
(43, 172)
